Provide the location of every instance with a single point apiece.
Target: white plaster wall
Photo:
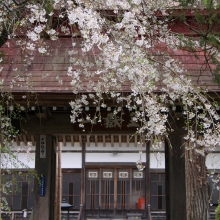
(110, 157)
(23, 157)
(21, 161)
(213, 161)
(157, 160)
(71, 156)
(22, 147)
(71, 160)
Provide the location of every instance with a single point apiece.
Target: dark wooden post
(83, 176)
(175, 176)
(147, 178)
(44, 194)
(59, 182)
(53, 178)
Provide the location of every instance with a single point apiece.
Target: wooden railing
(18, 215)
(14, 215)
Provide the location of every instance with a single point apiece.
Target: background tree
(129, 43)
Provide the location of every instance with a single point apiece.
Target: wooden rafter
(96, 141)
(25, 140)
(87, 138)
(80, 140)
(135, 140)
(128, 140)
(33, 140)
(17, 141)
(72, 140)
(112, 140)
(119, 140)
(103, 139)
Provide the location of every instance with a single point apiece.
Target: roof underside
(47, 73)
(75, 139)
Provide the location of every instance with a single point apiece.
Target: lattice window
(107, 174)
(158, 198)
(92, 194)
(138, 175)
(20, 193)
(71, 188)
(106, 186)
(123, 174)
(107, 189)
(92, 174)
(92, 189)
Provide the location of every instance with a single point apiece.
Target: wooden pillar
(1, 145)
(175, 177)
(53, 178)
(83, 176)
(56, 204)
(59, 182)
(44, 166)
(147, 177)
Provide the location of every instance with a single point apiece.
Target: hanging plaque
(42, 146)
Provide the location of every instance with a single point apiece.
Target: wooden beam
(72, 140)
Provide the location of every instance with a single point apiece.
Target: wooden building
(95, 168)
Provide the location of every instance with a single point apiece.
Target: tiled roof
(43, 73)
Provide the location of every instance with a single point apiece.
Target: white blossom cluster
(128, 51)
(125, 55)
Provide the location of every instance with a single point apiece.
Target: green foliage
(203, 3)
(185, 3)
(217, 213)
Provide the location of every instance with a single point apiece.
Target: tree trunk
(197, 199)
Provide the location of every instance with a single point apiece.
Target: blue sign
(42, 185)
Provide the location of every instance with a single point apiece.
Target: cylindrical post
(149, 212)
(59, 182)
(1, 145)
(80, 211)
(147, 177)
(83, 176)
